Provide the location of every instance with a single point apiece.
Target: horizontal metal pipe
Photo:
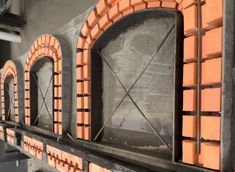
(10, 37)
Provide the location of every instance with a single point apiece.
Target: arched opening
(41, 94)
(136, 81)
(44, 63)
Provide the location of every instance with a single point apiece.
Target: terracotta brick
(212, 71)
(189, 152)
(204, 13)
(56, 128)
(112, 2)
(96, 32)
(92, 18)
(213, 42)
(79, 73)
(85, 29)
(189, 126)
(204, 55)
(80, 102)
(79, 58)
(80, 132)
(214, 15)
(190, 20)
(125, 8)
(86, 102)
(95, 168)
(104, 22)
(86, 87)
(87, 118)
(60, 116)
(87, 57)
(114, 13)
(188, 3)
(210, 127)
(80, 117)
(101, 7)
(153, 3)
(211, 157)
(87, 132)
(169, 4)
(80, 87)
(190, 48)
(81, 43)
(140, 7)
(86, 71)
(211, 100)
(190, 74)
(189, 100)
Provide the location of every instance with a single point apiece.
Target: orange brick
(101, 7)
(211, 100)
(190, 19)
(190, 48)
(114, 13)
(92, 18)
(188, 3)
(204, 13)
(95, 168)
(86, 87)
(80, 132)
(87, 57)
(153, 3)
(79, 58)
(189, 100)
(214, 15)
(85, 29)
(189, 152)
(81, 43)
(210, 127)
(80, 87)
(190, 74)
(104, 22)
(204, 55)
(169, 4)
(80, 117)
(189, 126)
(80, 102)
(139, 7)
(212, 71)
(112, 2)
(211, 157)
(96, 32)
(213, 42)
(86, 102)
(87, 118)
(79, 73)
(125, 8)
(86, 71)
(201, 155)
(87, 132)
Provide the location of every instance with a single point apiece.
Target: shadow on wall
(5, 50)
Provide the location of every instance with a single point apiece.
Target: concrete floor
(43, 16)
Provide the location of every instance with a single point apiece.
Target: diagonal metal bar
(43, 102)
(12, 103)
(43, 99)
(127, 91)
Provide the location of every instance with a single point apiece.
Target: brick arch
(45, 46)
(102, 17)
(9, 70)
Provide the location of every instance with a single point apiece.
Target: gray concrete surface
(43, 16)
